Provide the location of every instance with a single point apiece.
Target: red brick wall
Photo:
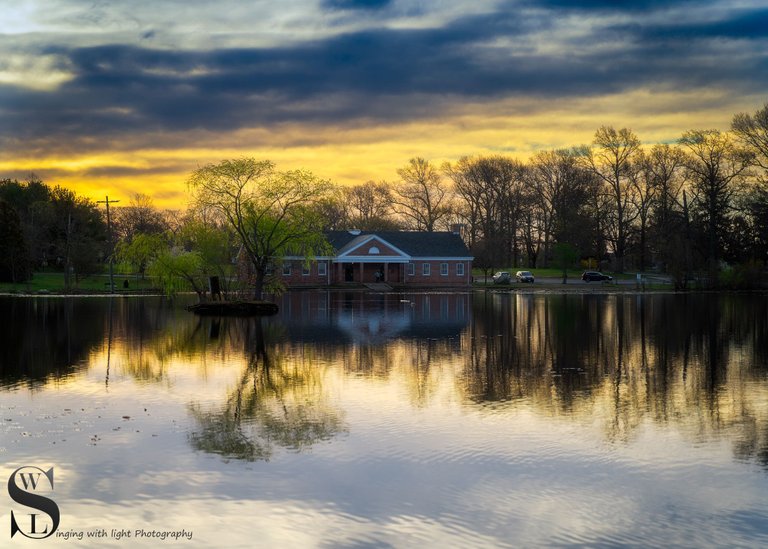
(296, 278)
(435, 278)
(335, 274)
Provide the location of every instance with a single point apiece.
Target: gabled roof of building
(413, 243)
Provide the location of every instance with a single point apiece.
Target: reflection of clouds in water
(257, 523)
(487, 439)
(514, 481)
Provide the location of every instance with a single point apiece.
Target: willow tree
(273, 213)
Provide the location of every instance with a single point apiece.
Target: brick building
(397, 258)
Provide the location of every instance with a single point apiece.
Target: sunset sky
(119, 97)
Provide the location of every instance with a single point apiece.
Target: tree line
(696, 208)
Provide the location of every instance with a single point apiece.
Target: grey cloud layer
(390, 74)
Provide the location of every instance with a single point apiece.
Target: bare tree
(369, 206)
(715, 164)
(470, 197)
(562, 188)
(140, 216)
(491, 195)
(613, 159)
(643, 196)
(421, 198)
(664, 170)
(752, 131)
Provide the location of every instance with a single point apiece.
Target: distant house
(397, 258)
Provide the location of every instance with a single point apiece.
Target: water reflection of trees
(699, 361)
(695, 359)
(278, 401)
(47, 338)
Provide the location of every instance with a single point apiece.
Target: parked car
(524, 276)
(502, 277)
(594, 276)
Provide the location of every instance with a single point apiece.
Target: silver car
(502, 277)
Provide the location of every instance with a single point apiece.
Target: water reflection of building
(372, 318)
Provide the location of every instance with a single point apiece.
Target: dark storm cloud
(380, 74)
(355, 4)
(742, 25)
(606, 5)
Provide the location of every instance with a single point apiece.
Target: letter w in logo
(23, 484)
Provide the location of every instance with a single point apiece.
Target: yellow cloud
(159, 164)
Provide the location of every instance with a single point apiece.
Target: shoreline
(608, 289)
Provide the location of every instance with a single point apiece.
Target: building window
(286, 269)
(373, 250)
(443, 269)
(321, 269)
(411, 269)
(426, 269)
(460, 269)
(305, 270)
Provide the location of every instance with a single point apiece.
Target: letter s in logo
(22, 485)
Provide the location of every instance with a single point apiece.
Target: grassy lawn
(54, 282)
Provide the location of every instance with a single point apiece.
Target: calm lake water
(354, 419)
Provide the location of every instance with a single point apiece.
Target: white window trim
(459, 269)
(286, 269)
(426, 269)
(411, 269)
(444, 269)
(322, 269)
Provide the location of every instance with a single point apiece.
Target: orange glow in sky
(116, 100)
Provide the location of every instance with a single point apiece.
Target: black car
(524, 276)
(594, 276)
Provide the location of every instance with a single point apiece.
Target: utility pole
(111, 244)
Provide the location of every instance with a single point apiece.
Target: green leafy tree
(177, 270)
(215, 245)
(75, 232)
(565, 256)
(14, 259)
(272, 213)
(139, 252)
(30, 199)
